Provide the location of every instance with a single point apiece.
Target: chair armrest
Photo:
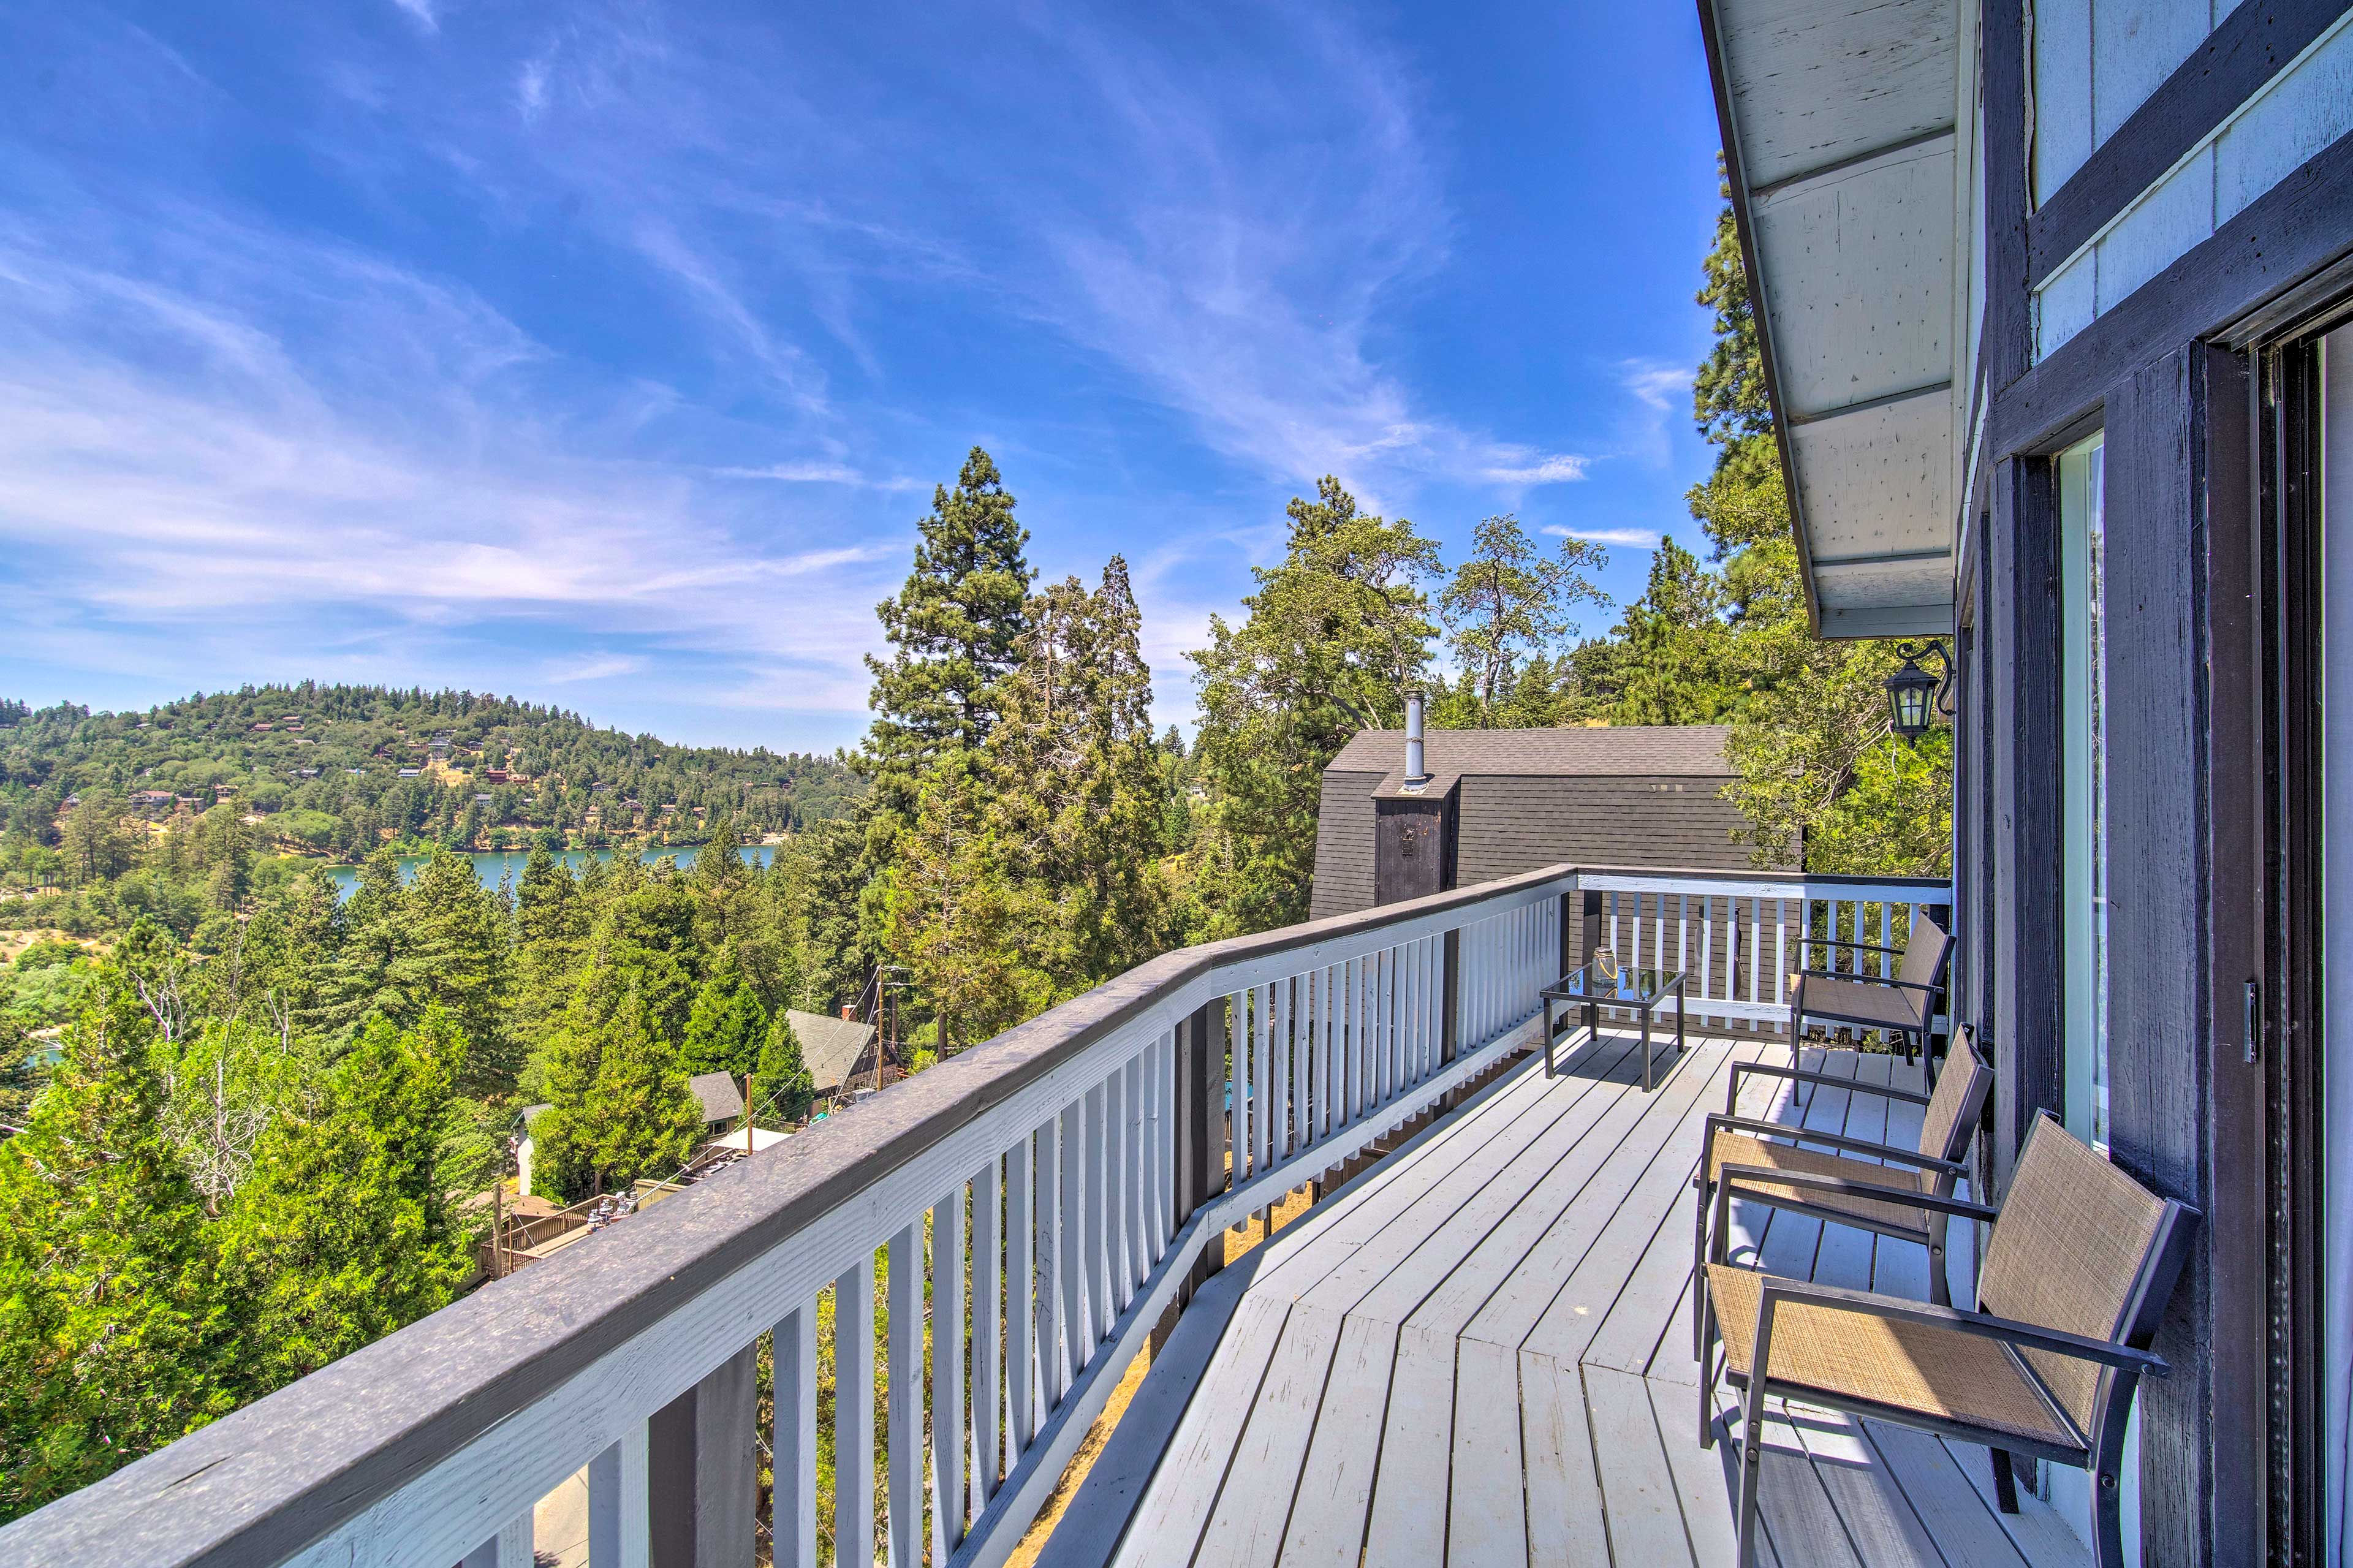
(1910, 1197)
(1866, 979)
(1770, 1128)
(2009, 1331)
(1796, 1074)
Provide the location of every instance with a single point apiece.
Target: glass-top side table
(1590, 990)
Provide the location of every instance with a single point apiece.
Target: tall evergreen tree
(953, 630)
(1509, 603)
(728, 1026)
(371, 972)
(1078, 783)
(114, 1338)
(344, 1233)
(1332, 636)
(639, 1120)
(458, 961)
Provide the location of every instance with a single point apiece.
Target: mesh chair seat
(1737, 1148)
(1866, 1003)
(1935, 1372)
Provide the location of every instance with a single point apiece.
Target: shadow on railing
(1077, 1170)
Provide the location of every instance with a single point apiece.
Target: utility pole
(747, 1113)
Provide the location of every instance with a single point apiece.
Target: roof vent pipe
(1415, 773)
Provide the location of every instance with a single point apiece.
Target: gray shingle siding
(1343, 844)
(1651, 796)
(1515, 825)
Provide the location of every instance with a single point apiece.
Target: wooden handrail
(381, 1452)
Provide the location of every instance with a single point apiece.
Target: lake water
(492, 866)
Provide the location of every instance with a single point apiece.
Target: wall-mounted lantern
(1915, 696)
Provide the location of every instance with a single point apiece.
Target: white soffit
(1842, 130)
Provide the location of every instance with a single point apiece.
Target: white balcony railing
(1050, 1193)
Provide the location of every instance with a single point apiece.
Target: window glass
(2084, 791)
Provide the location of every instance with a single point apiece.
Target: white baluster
(948, 1446)
(853, 1413)
(987, 1355)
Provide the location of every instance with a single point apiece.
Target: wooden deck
(1480, 1354)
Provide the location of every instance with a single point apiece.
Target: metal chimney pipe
(1414, 772)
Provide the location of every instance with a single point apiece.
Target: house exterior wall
(1343, 844)
(1509, 823)
(2163, 266)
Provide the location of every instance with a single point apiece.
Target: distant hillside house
(835, 1050)
(1500, 801)
(720, 1096)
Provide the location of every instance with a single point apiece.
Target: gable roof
(1604, 752)
(722, 1096)
(829, 1046)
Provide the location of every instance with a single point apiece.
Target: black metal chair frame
(2127, 1357)
(1915, 1039)
(1948, 1170)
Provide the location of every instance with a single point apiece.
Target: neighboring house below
(1499, 801)
(720, 1096)
(836, 1051)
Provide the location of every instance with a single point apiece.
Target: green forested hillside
(327, 762)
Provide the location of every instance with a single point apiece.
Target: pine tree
(1078, 785)
(1508, 603)
(951, 914)
(113, 1337)
(343, 1232)
(551, 924)
(728, 1026)
(458, 960)
(639, 1120)
(1333, 635)
(370, 973)
(954, 628)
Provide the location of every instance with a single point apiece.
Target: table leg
(1547, 1010)
(1681, 1008)
(1646, 1051)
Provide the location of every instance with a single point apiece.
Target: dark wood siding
(2157, 1051)
(2023, 1034)
(1343, 844)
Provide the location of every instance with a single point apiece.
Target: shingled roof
(829, 1046)
(1598, 751)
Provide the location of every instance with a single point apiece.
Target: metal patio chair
(1902, 1003)
(1948, 1118)
(2077, 1272)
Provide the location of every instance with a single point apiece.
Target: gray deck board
(1246, 1527)
(1566, 1522)
(1479, 1352)
(1336, 1486)
(1408, 1520)
(1487, 1515)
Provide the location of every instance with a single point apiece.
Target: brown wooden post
(702, 1470)
(1200, 1130)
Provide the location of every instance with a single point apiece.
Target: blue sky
(606, 355)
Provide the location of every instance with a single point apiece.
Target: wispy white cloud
(1633, 538)
(1559, 468)
(421, 13)
(1660, 393)
(326, 449)
(819, 473)
(591, 666)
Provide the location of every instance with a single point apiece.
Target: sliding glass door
(2082, 790)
